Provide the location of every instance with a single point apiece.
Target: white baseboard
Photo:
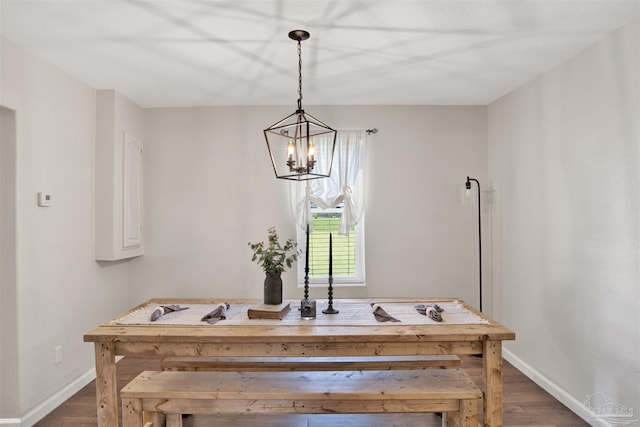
(40, 411)
(549, 386)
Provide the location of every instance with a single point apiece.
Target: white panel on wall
(118, 177)
(132, 191)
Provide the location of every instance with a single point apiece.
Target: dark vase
(273, 289)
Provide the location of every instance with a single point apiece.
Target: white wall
(61, 291)
(564, 161)
(10, 385)
(210, 189)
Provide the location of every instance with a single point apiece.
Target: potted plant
(274, 259)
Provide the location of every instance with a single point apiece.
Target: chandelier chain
(299, 76)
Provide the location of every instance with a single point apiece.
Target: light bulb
(312, 152)
(290, 150)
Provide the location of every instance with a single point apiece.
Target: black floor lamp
(468, 187)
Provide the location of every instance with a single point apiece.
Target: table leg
(493, 383)
(106, 386)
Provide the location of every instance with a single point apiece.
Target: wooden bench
(172, 393)
(257, 364)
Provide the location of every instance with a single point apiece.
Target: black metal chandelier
(294, 142)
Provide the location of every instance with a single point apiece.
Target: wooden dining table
(352, 332)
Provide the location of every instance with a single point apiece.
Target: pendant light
(294, 142)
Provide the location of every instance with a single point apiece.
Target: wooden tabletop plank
(306, 331)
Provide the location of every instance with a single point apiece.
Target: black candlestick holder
(306, 283)
(308, 309)
(307, 306)
(330, 309)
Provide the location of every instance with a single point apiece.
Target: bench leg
(132, 412)
(156, 419)
(469, 412)
(174, 420)
(466, 416)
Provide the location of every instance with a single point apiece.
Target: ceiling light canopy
(300, 146)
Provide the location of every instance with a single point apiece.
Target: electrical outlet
(58, 351)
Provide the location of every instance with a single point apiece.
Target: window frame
(359, 279)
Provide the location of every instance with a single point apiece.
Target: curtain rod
(368, 131)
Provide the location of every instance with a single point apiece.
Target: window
(348, 251)
(334, 205)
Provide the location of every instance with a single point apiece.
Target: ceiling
(236, 52)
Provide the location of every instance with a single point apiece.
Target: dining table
(353, 331)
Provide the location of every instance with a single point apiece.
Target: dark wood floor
(525, 404)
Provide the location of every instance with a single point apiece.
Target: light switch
(45, 199)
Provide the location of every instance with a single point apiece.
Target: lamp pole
(468, 187)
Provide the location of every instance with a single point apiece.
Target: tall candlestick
(330, 255)
(306, 258)
(306, 267)
(330, 309)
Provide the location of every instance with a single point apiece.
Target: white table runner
(351, 314)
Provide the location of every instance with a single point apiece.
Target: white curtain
(346, 183)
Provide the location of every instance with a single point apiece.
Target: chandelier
(300, 146)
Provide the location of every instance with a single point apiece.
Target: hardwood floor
(525, 404)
